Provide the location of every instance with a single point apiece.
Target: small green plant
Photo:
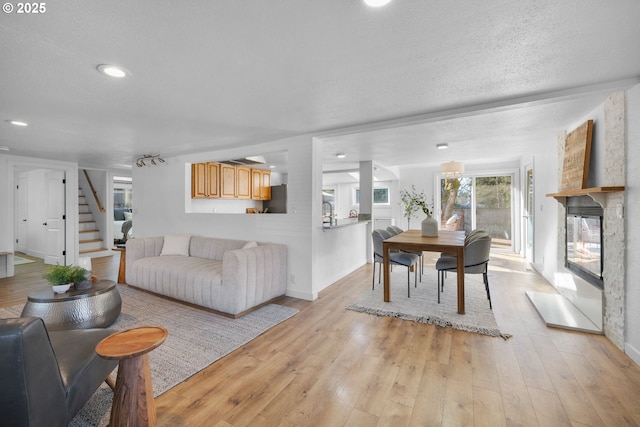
(78, 274)
(65, 274)
(59, 275)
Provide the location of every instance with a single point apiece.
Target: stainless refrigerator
(278, 202)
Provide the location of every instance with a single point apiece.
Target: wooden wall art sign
(577, 153)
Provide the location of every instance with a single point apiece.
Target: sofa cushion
(213, 248)
(191, 279)
(250, 244)
(176, 245)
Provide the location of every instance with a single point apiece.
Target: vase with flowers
(413, 202)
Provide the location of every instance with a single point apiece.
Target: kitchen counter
(343, 222)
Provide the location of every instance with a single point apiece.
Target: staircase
(90, 243)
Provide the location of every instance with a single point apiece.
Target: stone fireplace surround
(613, 296)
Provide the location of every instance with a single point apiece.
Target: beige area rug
(423, 305)
(197, 338)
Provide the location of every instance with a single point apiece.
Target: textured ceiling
(480, 76)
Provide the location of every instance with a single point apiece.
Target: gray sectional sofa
(229, 276)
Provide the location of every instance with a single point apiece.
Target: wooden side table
(122, 268)
(133, 403)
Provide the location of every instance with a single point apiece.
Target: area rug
(423, 305)
(18, 260)
(197, 338)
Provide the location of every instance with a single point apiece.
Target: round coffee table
(133, 402)
(96, 307)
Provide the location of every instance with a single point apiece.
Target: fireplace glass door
(584, 246)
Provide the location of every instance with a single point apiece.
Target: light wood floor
(329, 366)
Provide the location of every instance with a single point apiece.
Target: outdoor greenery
(486, 197)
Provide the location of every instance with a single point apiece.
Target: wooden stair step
(90, 240)
(86, 251)
(89, 231)
(85, 222)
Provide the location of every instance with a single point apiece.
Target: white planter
(429, 227)
(60, 289)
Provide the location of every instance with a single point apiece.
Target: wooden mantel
(596, 193)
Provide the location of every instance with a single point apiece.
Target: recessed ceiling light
(272, 166)
(112, 71)
(4, 148)
(377, 3)
(341, 155)
(442, 146)
(18, 123)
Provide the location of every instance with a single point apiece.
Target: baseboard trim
(632, 352)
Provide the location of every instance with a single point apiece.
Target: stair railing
(95, 195)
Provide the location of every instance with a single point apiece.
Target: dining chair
(397, 230)
(476, 261)
(395, 258)
(472, 235)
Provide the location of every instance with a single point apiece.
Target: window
(380, 196)
(482, 202)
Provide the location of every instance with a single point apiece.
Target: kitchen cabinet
(235, 182)
(205, 180)
(260, 184)
(243, 182)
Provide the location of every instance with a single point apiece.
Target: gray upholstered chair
(394, 229)
(397, 230)
(395, 258)
(47, 377)
(476, 261)
(472, 235)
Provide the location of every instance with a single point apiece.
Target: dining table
(447, 241)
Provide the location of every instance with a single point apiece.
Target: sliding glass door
(485, 202)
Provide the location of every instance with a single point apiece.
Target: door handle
(44, 223)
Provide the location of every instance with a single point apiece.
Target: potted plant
(80, 277)
(412, 202)
(60, 277)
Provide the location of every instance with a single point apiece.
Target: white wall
(340, 251)
(632, 218)
(160, 194)
(8, 167)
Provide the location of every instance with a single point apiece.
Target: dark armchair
(47, 377)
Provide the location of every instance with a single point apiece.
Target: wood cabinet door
(213, 180)
(256, 184)
(265, 192)
(198, 180)
(227, 181)
(243, 182)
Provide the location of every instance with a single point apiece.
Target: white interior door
(22, 213)
(55, 218)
